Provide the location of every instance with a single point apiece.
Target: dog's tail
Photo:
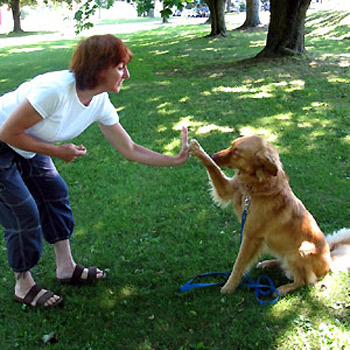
(339, 246)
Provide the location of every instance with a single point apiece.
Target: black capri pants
(34, 201)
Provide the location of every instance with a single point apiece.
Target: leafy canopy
(88, 8)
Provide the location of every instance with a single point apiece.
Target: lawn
(152, 229)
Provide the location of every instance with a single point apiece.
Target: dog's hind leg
(268, 264)
(303, 275)
(290, 287)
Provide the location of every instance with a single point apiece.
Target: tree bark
(286, 29)
(16, 13)
(217, 17)
(252, 14)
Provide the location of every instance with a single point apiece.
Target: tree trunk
(164, 16)
(217, 17)
(16, 13)
(252, 14)
(286, 29)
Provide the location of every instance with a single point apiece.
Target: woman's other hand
(69, 152)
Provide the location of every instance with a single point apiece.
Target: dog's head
(254, 158)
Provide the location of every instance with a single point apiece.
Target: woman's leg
(19, 217)
(65, 262)
(52, 197)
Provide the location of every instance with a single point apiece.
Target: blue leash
(261, 289)
(190, 285)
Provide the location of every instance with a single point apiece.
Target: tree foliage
(168, 5)
(87, 8)
(143, 7)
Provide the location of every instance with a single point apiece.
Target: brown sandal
(33, 292)
(78, 272)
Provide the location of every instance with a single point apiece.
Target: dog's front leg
(197, 151)
(249, 251)
(220, 182)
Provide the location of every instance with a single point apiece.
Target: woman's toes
(52, 300)
(99, 273)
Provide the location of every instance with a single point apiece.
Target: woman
(51, 108)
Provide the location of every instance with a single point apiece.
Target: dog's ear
(267, 165)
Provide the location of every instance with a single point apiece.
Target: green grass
(155, 228)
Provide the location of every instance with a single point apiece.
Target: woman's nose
(126, 73)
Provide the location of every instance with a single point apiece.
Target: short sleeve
(44, 100)
(109, 115)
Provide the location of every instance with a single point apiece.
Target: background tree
(252, 14)
(16, 14)
(286, 29)
(216, 7)
(217, 17)
(14, 5)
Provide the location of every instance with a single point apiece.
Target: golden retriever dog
(277, 221)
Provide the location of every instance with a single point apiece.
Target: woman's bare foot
(26, 292)
(67, 270)
(76, 273)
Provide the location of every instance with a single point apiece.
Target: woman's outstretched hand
(184, 154)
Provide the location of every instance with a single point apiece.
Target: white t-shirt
(54, 97)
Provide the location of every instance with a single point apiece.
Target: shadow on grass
(321, 19)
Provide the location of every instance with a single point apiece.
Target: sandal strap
(33, 292)
(92, 273)
(44, 298)
(78, 271)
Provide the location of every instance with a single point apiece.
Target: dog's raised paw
(195, 148)
(193, 144)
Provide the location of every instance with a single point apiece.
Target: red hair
(95, 54)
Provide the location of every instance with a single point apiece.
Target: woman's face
(112, 78)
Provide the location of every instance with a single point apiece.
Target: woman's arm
(131, 151)
(13, 133)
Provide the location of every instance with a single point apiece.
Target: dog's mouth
(215, 159)
(222, 160)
